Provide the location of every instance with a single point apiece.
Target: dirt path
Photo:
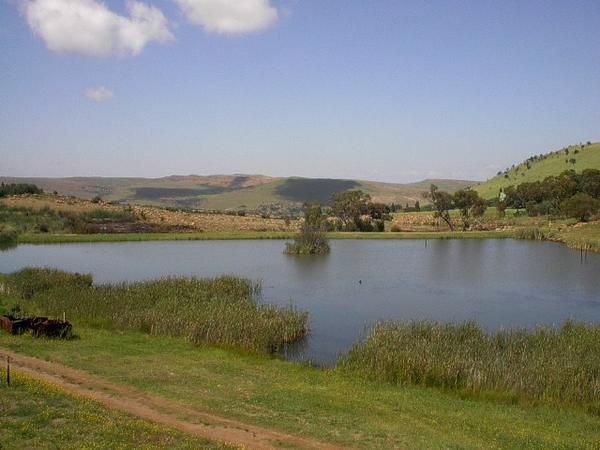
(157, 409)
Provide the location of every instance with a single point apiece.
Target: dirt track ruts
(157, 409)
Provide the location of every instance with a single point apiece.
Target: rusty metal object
(38, 326)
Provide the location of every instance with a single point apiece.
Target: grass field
(554, 164)
(39, 415)
(586, 236)
(323, 404)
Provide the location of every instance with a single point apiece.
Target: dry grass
(154, 215)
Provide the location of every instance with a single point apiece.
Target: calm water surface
(499, 283)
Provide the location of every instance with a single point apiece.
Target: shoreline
(40, 239)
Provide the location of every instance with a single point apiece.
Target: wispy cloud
(99, 94)
(233, 17)
(89, 28)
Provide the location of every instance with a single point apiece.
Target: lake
(498, 283)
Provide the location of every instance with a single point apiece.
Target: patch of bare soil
(157, 409)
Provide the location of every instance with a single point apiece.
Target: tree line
(570, 193)
(19, 189)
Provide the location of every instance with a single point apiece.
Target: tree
(311, 239)
(581, 206)
(349, 206)
(442, 203)
(589, 182)
(378, 211)
(470, 205)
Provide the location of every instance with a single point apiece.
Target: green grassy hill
(222, 192)
(574, 157)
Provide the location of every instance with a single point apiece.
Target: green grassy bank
(324, 404)
(38, 415)
(127, 237)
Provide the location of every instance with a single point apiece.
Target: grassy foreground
(324, 404)
(39, 415)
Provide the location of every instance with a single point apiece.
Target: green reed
(222, 311)
(558, 365)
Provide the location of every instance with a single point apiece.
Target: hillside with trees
(538, 167)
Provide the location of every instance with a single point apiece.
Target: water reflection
(498, 283)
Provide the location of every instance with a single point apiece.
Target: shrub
(19, 189)
(311, 239)
(379, 225)
(580, 206)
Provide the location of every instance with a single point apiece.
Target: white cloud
(229, 16)
(99, 94)
(88, 27)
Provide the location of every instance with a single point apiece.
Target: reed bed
(8, 239)
(532, 234)
(29, 281)
(556, 365)
(222, 311)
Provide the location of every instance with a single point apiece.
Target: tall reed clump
(311, 239)
(221, 311)
(29, 281)
(532, 234)
(8, 239)
(546, 364)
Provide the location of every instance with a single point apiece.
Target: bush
(540, 209)
(580, 206)
(19, 189)
(311, 239)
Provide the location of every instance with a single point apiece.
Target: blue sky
(389, 90)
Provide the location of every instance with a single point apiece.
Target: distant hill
(231, 191)
(538, 167)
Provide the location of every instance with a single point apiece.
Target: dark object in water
(39, 326)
